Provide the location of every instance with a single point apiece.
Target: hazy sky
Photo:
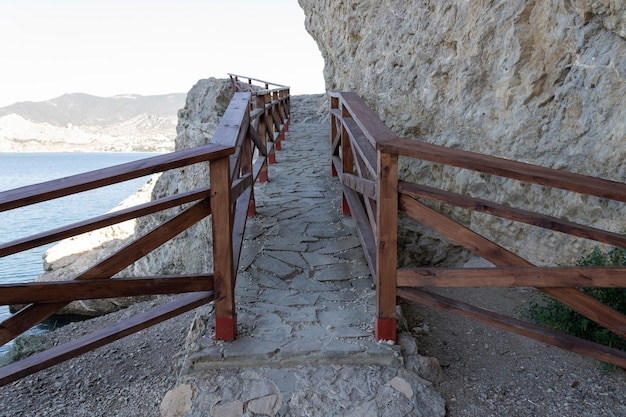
(49, 48)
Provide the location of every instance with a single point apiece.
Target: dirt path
(495, 373)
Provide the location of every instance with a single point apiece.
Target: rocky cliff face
(535, 81)
(188, 253)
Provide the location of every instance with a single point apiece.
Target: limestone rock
(401, 385)
(178, 401)
(535, 81)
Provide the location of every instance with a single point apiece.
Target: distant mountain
(85, 109)
(82, 122)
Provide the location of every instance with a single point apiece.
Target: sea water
(20, 169)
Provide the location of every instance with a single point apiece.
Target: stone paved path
(305, 306)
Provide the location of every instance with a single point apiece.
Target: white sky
(109, 47)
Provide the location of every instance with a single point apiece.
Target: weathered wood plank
(511, 213)
(254, 114)
(360, 185)
(580, 277)
(465, 237)
(336, 164)
(231, 123)
(363, 228)
(35, 313)
(477, 244)
(507, 168)
(67, 291)
(257, 141)
(100, 338)
(37, 193)
(240, 185)
(239, 226)
(361, 145)
(564, 341)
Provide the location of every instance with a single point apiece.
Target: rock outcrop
(535, 81)
(188, 253)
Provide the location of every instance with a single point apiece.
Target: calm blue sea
(19, 169)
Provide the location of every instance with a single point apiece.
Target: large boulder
(535, 81)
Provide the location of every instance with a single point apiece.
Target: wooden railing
(237, 156)
(261, 97)
(365, 157)
(239, 85)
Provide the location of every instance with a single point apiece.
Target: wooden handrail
(506, 168)
(99, 338)
(49, 190)
(236, 77)
(67, 291)
(373, 195)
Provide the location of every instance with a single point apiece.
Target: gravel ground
(126, 378)
(490, 372)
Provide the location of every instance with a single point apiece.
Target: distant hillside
(82, 122)
(85, 109)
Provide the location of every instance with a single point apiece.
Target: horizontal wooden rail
(37, 193)
(506, 168)
(250, 79)
(511, 213)
(67, 291)
(564, 341)
(584, 276)
(102, 337)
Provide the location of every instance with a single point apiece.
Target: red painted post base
(286, 128)
(225, 328)
(252, 208)
(385, 329)
(271, 158)
(262, 176)
(278, 146)
(345, 208)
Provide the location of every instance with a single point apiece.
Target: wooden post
(347, 159)
(287, 109)
(386, 246)
(261, 130)
(334, 104)
(282, 106)
(224, 274)
(269, 126)
(277, 115)
(246, 167)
